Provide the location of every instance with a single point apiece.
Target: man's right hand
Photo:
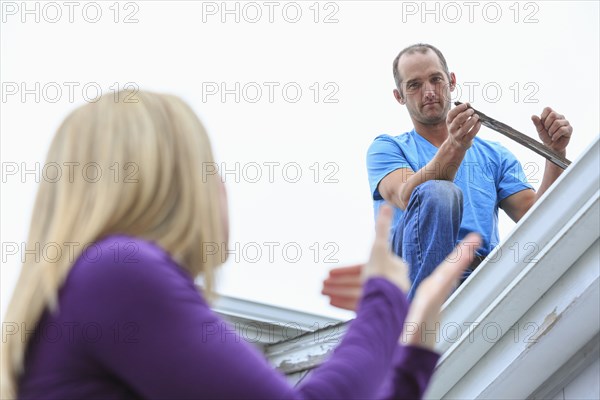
(463, 126)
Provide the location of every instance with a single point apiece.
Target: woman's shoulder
(126, 264)
(123, 249)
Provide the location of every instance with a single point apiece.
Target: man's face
(425, 87)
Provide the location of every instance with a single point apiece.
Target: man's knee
(440, 193)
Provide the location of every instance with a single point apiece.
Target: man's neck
(435, 134)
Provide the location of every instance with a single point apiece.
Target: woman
(114, 311)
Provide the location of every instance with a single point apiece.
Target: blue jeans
(428, 229)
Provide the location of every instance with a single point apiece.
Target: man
(443, 180)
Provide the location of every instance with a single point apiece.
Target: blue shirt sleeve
(511, 178)
(383, 157)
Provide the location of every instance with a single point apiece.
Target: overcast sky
(292, 94)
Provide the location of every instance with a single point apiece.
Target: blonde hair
(151, 151)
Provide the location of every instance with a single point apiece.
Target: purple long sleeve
(409, 376)
(131, 324)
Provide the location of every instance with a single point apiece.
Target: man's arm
(555, 132)
(398, 186)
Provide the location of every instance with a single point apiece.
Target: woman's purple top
(131, 324)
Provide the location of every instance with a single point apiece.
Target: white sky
(536, 53)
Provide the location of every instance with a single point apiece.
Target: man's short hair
(421, 48)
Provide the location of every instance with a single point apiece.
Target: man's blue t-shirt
(488, 174)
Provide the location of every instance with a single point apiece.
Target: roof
(263, 324)
(523, 324)
(534, 303)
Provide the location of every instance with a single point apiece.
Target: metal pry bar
(521, 138)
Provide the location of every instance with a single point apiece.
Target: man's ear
(452, 81)
(399, 97)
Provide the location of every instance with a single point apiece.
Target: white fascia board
(262, 324)
(517, 298)
(570, 371)
(241, 309)
(557, 231)
(572, 190)
(563, 321)
(306, 351)
(261, 333)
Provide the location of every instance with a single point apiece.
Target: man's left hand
(554, 130)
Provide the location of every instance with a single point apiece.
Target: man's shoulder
(400, 139)
(403, 137)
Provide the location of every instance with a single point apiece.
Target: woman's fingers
(343, 291)
(424, 312)
(449, 272)
(343, 277)
(380, 252)
(344, 286)
(346, 271)
(343, 280)
(383, 262)
(382, 226)
(346, 303)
